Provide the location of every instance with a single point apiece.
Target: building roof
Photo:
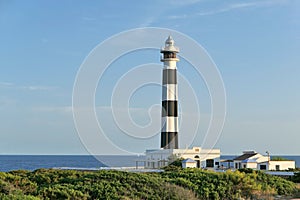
(245, 156)
(227, 160)
(188, 160)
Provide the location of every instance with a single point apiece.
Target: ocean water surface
(33, 162)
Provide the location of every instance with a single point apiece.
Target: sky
(255, 45)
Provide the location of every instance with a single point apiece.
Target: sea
(33, 162)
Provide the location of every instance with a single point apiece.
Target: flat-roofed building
(204, 158)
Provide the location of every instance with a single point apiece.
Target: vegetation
(72, 184)
(231, 185)
(176, 163)
(278, 158)
(178, 184)
(296, 177)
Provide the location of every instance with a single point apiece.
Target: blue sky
(255, 45)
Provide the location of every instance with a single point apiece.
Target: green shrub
(296, 177)
(178, 184)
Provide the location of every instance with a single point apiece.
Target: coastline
(32, 162)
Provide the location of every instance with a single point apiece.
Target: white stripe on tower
(169, 92)
(169, 131)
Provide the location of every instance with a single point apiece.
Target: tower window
(169, 55)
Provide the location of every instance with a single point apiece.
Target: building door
(197, 159)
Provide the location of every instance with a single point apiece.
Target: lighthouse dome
(169, 46)
(170, 41)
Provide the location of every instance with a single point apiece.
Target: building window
(263, 167)
(210, 163)
(217, 163)
(277, 167)
(236, 165)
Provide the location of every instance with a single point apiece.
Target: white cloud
(157, 14)
(237, 6)
(88, 18)
(58, 109)
(226, 8)
(177, 16)
(9, 85)
(184, 3)
(5, 84)
(6, 102)
(69, 109)
(148, 22)
(37, 87)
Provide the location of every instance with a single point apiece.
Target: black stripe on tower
(169, 109)
(169, 76)
(169, 140)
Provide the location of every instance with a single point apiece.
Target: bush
(177, 163)
(246, 170)
(179, 184)
(296, 177)
(230, 185)
(278, 158)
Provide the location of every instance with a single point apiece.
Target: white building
(249, 159)
(204, 158)
(254, 160)
(189, 163)
(277, 165)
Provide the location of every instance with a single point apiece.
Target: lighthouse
(157, 158)
(169, 114)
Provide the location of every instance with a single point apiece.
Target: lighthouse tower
(157, 158)
(169, 131)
